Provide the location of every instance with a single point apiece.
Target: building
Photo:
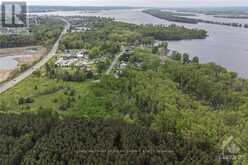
(78, 54)
(79, 29)
(75, 58)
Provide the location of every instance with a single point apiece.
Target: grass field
(67, 98)
(45, 93)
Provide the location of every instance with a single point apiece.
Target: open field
(44, 92)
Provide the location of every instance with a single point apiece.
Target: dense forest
(9, 41)
(153, 111)
(44, 139)
(108, 35)
(44, 34)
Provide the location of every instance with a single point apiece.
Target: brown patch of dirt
(19, 51)
(31, 59)
(6, 74)
(24, 56)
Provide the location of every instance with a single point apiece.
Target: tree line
(43, 34)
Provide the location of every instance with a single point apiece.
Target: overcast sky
(148, 3)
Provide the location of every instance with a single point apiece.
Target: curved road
(9, 84)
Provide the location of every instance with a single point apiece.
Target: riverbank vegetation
(176, 111)
(119, 33)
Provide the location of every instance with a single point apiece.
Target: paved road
(9, 84)
(115, 61)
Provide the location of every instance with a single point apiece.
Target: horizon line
(127, 6)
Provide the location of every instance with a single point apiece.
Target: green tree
(195, 60)
(186, 59)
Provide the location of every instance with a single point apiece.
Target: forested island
(178, 17)
(234, 11)
(170, 16)
(153, 108)
(231, 16)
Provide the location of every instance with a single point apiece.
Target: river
(226, 46)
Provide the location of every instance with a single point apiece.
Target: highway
(22, 76)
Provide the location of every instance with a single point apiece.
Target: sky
(143, 3)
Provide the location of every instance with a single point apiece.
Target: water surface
(8, 63)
